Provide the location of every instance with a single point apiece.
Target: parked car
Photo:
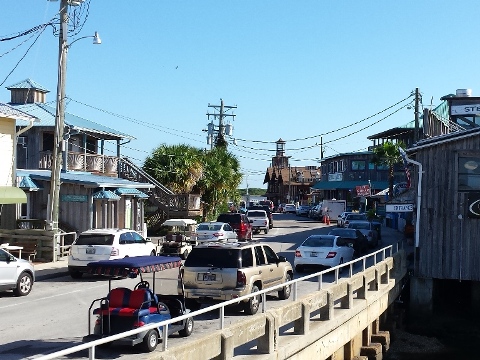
(367, 229)
(215, 231)
(302, 210)
(259, 220)
(359, 241)
(323, 250)
(290, 208)
(218, 272)
(15, 274)
(268, 211)
(342, 216)
(240, 223)
(106, 244)
(354, 217)
(315, 212)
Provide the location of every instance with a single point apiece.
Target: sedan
(353, 236)
(303, 210)
(215, 231)
(367, 229)
(290, 208)
(324, 251)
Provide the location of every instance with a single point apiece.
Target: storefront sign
(474, 205)
(399, 208)
(469, 109)
(73, 198)
(335, 177)
(363, 190)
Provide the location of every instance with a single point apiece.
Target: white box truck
(333, 208)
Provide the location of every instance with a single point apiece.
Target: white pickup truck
(259, 220)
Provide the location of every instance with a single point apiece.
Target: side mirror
(148, 239)
(282, 258)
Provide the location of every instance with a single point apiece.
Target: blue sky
(294, 69)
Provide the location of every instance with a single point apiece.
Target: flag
(267, 178)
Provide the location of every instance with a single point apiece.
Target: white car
(303, 210)
(290, 208)
(215, 231)
(106, 244)
(15, 274)
(322, 250)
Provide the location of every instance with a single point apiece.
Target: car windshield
(343, 232)
(255, 214)
(355, 217)
(213, 257)
(359, 225)
(95, 239)
(209, 227)
(319, 242)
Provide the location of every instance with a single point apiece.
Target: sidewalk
(50, 270)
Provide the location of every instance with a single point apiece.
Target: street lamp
(59, 144)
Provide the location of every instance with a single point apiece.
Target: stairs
(166, 203)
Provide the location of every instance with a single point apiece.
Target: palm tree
(389, 155)
(178, 167)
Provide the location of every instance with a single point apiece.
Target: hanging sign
(399, 208)
(474, 205)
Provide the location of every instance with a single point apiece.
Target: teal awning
(12, 195)
(106, 195)
(348, 185)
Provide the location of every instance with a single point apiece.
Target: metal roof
(130, 191)
(46, 114)
(28, 84)
(106, 195)
(86, 179)
(11, 112)
(27, 183)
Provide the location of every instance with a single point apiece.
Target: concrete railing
(335, 319)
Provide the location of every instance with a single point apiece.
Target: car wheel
(75, 274)
(187, 329)
(24, 284)
(251, 307)
(152, 253)
(299, 268)
(192, 304)
(286, 291)
(185, 254)
(150, 341)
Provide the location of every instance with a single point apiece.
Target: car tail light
(297, 253)
(138, 324)
(115, 252)
(218, 234)
(331, 254)
(266, 222)
(241, 278)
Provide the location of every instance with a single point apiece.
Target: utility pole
(58, 144)
(417, 127)
(221, 129)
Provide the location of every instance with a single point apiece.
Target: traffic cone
(328, 220)
(324, 219)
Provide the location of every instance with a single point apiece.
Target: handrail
(390, 249)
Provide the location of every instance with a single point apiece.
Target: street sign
(399, 208)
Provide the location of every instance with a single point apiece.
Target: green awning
(12, 195)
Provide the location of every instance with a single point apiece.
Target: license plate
(313, 254)
(207, 277)
(90, 250)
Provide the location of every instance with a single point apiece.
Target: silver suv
(106, 244)
(216, 272)
(15, 274)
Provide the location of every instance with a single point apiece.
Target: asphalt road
(55, 314)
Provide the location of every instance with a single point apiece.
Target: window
(382, 167)
(271, 256)
(247, 257)
(47, 142)
(371, 166)
(259, 256)
(358, 165)
(468, 173)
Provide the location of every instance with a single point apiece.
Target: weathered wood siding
(449, 247)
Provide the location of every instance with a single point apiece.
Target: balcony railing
(95, 163)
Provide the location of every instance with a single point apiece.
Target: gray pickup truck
(259, 220)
